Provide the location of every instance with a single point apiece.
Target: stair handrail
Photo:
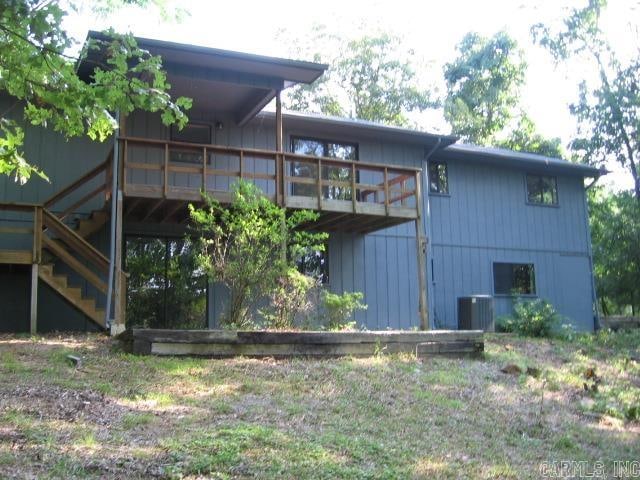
(91, 174)
(75, 241)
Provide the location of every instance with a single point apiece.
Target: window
(191, 133)
(514, 278)
(542, 190)
(315, 264)
(166, 288)
(438, 178)
(322, 148)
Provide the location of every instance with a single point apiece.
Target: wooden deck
(314, 344)
(161, 177)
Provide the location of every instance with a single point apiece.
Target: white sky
(431, 28)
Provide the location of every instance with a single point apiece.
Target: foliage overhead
(525, 138)
(40, 79)
(608, 110)
(367, 79)
(483, 86)
(615, 232)
(242, 245)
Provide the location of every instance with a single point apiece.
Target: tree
(367, 79)
(608, 111)
(40, 76)
(615, 232)
(525, 138)
(483, 86)
(241, 246)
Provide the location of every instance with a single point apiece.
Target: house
(415, 219)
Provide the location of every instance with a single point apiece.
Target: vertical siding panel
(381, 282)
(358, 272)
(404, 282)
(393, 281)
(370, 281)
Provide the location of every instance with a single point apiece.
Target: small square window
(514, 278)
(542, 190)
(438, 178)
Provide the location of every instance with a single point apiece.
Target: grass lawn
(122, 416)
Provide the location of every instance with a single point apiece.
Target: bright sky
(430, 28)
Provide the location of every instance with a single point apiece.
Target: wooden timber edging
(314, 344)
(620, 322)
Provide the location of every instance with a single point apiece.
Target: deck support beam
(33, 310)
(421, 256)
(36, 255)
(280, 174)
(120, 294)
(279, 153)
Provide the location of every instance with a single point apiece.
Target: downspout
(594, 295)
(114, 198)
(427, 221)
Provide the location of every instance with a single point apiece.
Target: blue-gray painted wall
(485, 218)
(63, 160)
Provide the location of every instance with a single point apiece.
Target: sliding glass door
(165, 288)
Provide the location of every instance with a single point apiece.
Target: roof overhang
(507, 158)
(224, 81)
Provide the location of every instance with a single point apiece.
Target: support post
(279, 156)
(35, 266)
(33, 323)
(166, 171)
(280, 173)
(421, 251)
(119, 292)
(204, 169)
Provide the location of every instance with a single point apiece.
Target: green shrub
(248, 246)
(340, 308)
(531, 318)
(287, 299)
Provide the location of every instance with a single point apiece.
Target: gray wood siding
(62, 160)
(485, 218)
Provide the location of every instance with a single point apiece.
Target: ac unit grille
(475, 312)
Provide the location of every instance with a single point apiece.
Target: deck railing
(181, 171)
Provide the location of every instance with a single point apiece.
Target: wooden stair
(60, 240)
(72, 294)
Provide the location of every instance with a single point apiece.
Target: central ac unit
(475, 312)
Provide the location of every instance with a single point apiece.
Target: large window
(438, 178)
(323, 148)
(165, 289)
(542, 190)
(514, 279)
